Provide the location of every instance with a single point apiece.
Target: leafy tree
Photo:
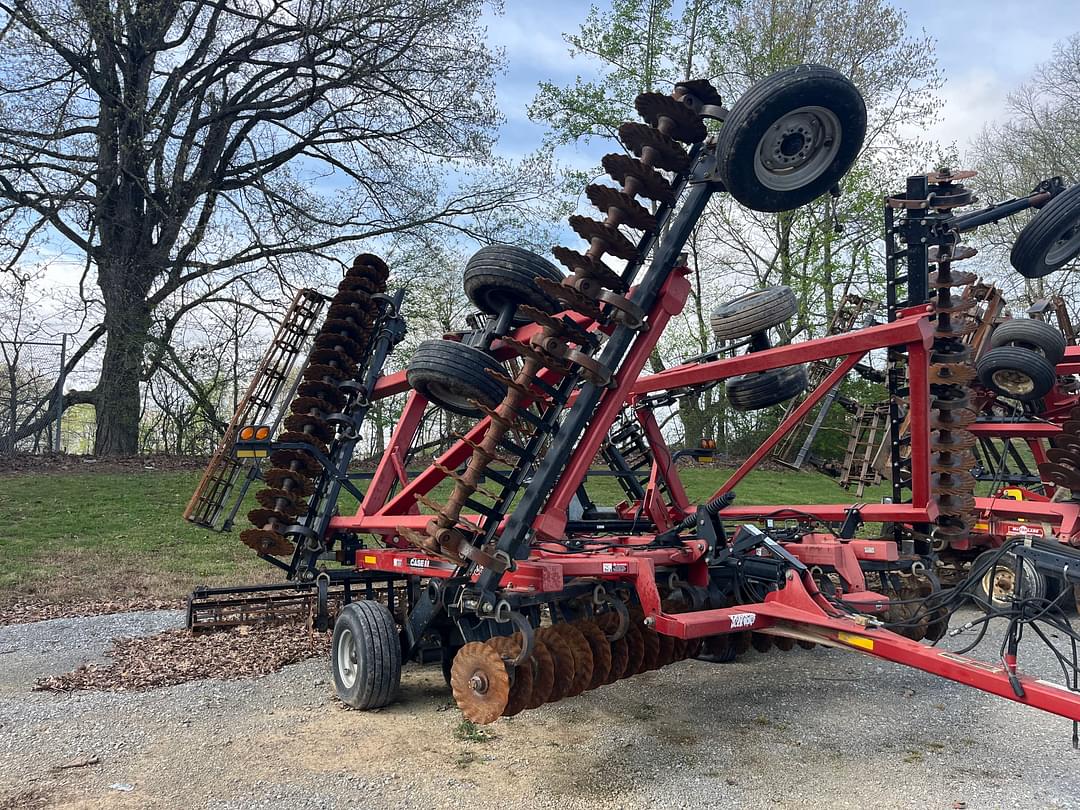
(179, 146)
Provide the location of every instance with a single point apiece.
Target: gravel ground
(778, 730)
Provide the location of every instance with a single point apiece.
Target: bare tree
(1039, 137)
(28, 364)
(175, 141)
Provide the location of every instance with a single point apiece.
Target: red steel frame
(797, 610)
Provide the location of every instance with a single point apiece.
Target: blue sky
(985, 49)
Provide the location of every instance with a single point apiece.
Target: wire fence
(31, 395)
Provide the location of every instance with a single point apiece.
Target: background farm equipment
(528, 588)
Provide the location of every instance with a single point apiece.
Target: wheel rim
(797, 149)
(346, 659)
(1000, 583)
(1066, 246)
(448, 396)
(1013, 381)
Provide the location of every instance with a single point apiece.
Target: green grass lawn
(105, 535)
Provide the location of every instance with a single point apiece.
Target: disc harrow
(527, 589)
(342, 342)
(593, 290)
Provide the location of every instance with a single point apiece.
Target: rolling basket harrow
(527, 589)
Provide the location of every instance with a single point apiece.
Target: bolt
(488, 607)
(650, 621)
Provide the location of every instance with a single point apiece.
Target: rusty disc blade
(521, 680)
(563, 661)
(583, 663)
(806, 645)
(651, 659)
(295, 460)
(601, 651)
(279, 500)
(333, 357)
(356, 331)
(480, 682)
(951, 373)
(615, 242)
(1060, 475)
(955, 505)
(311, 405)
(681, 645)
(783, 643)
(952, 419)
(1067, 458)
(358, 298)
(683, 124)
(293, 480)
(265, 541)
(320, 390)
(543, 676)
(742, 642)
(319, 372)
(632, 213)
(761, 642)
(265, 518)
(349, 347)
(1071, 426)
(302, 438)
(649, 182)
(358, 316)
(370, 264)
(1067, 442)
(310, 425)
(583, 265)
(635, 649)
(667, 153)
(666, 652)
(620, 648)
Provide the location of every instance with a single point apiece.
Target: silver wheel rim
(797, 149)
(346, 659)
(1065, 248)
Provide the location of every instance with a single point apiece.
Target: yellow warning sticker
(862, 642)
(371, 560)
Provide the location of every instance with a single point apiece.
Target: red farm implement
(497, 559)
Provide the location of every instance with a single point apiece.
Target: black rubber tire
(1027, 333)
(1034, 586)
(754, 312)
(752, 392)
(367, 633)
(1033, 373)
(1052, 239)
(765, 105)
(450, 373)
(500, 274)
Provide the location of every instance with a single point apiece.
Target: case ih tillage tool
(496, 559)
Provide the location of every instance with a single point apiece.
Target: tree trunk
(117, 403)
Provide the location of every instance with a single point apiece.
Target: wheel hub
(1013, 381)
(798, 148)
(346, 658)
(1067, 246)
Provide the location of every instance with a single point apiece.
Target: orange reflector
(262, 433)
(247, 434)
(862, 642)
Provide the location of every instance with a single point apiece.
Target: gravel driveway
(790, 729)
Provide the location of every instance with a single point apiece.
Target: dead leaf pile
(26, 612)
(176, 656)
